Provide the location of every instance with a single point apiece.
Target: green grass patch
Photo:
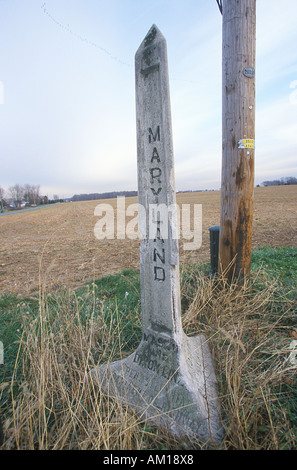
(279, 263)
(119, 295)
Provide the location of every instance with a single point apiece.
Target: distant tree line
(109, 195)
(283, 181)
(21, 195)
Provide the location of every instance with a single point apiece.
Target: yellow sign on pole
(246, 144)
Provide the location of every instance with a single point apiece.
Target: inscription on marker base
(166, 387)
(170, 379)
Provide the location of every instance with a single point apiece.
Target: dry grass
(250, 328)
(56, 408)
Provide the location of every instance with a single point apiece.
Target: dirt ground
(56, 246)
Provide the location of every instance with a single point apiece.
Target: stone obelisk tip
(154, 35)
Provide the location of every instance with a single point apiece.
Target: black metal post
(214, 233)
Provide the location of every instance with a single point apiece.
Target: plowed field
(56, 246)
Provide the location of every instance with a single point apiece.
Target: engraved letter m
(152, 137)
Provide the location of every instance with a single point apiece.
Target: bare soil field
(56, 247)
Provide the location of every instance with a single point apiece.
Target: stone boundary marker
(170, 379)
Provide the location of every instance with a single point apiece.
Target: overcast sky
(67, 91)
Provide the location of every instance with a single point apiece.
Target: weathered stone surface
(169, 384)
(170, 378)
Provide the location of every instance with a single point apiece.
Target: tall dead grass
(250, 328)
(54, 407)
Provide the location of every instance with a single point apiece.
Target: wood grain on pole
(238, 124)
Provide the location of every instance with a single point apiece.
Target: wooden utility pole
(238, 146)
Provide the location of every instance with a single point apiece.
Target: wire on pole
(219, 2)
